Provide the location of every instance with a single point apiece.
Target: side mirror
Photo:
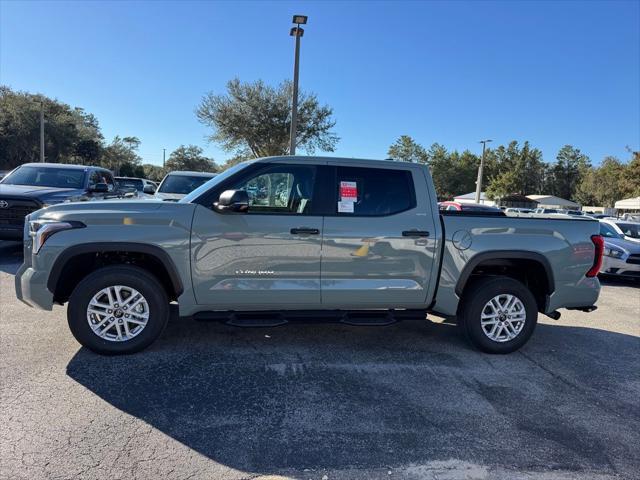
(233, 201)
(99, 188)
(149, 189)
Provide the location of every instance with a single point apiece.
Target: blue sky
(553, 73)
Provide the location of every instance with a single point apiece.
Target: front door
(379, 240)
(268, 257)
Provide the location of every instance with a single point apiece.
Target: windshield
(221, 177)
(130, 183)
(608, 231)
(630, 229)
(56, 177)
(182, 183)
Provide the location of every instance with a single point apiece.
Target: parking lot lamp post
(298, 33)
(479, 181)
(41, 132)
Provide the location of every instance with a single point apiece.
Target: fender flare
(152, 250)
(478, 258)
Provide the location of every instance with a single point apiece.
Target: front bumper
(31, 288)
(619, 266)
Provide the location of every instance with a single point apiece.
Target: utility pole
(479, 181)
(164, 152)
(42, 132)
(298, 33)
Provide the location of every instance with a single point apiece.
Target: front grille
(634, 258)
(15, 211)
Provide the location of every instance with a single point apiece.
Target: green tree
(121, 156)
(406, 149)
(515, 170)
(566, 173)
(88, 151)
(71, 135)
(611, 181)
(190, 157)
(587, 190)
(254, 119)
(153, 172)
(453, 173)
(234, 161)
(631, 181)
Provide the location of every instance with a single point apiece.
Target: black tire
(477, 295)
(129, 276)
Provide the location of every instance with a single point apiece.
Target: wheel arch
(518, 264)
(165, 267)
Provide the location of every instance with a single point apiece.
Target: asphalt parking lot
(314, 401)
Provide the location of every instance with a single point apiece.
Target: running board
(277, 318)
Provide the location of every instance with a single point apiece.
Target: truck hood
(169, 196)
(42, 194)
(111, 211)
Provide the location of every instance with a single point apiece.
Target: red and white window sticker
(348, 191)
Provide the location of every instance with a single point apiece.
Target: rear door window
(371, 192)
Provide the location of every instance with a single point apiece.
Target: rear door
(379, 238)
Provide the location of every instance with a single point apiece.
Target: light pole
(298, 33)
(41, 132)
(479, 181)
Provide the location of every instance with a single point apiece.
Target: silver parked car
(627, 229)
(621, 256)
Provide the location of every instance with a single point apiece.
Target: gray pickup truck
(277, 238)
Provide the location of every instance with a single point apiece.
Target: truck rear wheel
(498, 314)
(117, 310)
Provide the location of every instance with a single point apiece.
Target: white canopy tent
(628, 204)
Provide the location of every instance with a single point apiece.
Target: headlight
(614, 252)
(41, 230)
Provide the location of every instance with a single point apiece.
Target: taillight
(598, 242)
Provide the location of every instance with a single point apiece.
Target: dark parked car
(33, 186)
(141, 187)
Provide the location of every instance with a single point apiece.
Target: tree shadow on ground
(334, 396)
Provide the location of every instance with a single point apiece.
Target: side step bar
(277, 318)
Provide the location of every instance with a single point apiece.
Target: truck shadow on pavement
(334, 396)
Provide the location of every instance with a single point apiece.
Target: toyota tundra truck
(268, 240)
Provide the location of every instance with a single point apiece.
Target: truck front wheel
(118, 309)
(498, 314)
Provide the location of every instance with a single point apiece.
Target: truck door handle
(304, 231)
(415, 233)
